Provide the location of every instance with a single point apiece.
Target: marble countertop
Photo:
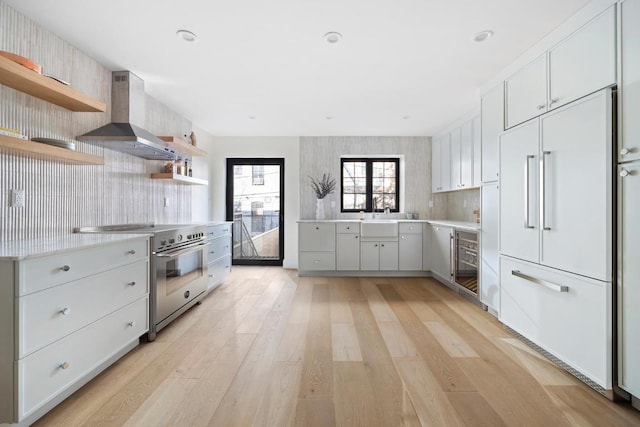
(33, 248)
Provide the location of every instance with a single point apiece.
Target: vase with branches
(322, 187)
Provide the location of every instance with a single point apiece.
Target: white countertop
(359, 220)
(33, 248)
(462, 225)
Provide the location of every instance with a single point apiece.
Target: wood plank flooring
(268, 348)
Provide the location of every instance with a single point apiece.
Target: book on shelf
(12, 132)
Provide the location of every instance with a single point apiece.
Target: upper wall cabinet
(441, 163)
(492, 119)
(581, 64)
(584, 62)
(629, 96)
(455, 158)
(526, 92)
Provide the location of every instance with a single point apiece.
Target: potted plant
(322, 188)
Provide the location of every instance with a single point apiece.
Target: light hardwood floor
(271, 349)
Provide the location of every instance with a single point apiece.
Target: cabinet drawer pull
(546, 284)
(348, 228)
(65, 311)
(212, 252)
(317, 228)
(553, 101)
(131, 252)
(624, 151)
(65, 268)
(131, 324)
(382, 245)
(64, 365)
(375, 246)
(131, 284)
(356, 237)
(624, 173)
(211, 276)
(540, 107)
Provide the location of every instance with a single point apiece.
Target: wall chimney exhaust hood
(125, 133)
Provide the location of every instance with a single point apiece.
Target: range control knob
(179, 237)
(163, 242)
(172, 241)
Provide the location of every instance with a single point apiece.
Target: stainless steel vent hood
(125, 132)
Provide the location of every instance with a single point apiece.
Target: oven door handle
(188, 250)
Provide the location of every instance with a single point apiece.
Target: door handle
(527, 196)
(545, 283)
(543, 213)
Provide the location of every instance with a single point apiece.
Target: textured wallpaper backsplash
(59, 197)
(457, 205)
(320, 155)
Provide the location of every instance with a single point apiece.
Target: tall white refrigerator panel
(555, 200)
(629, 277)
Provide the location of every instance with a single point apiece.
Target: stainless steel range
(178, 265)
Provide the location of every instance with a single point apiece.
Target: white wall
(200, 194)
(221, 148)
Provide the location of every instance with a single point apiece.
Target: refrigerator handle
(527, 197)
(543, 174)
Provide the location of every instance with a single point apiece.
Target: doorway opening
(255, 204)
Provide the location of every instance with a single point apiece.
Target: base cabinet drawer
(42, 273)
(317, 236)
(567, 315)
(218, 247)
(49, 315)
(48, 372)
(317, 261)
(218, 271)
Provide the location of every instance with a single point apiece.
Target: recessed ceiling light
(482, 36)
(187, 36)
(328, 117)
(252, 117)
(332, 37)
(407, 117)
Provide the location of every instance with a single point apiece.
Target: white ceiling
(268, 59)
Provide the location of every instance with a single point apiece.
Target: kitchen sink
(379, 228)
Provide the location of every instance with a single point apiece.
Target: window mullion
(369, 190)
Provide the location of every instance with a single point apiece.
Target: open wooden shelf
(182, 147)
(37, 150)
(25, 80)
(181, 179)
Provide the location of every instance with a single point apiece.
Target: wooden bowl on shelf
(25, 62)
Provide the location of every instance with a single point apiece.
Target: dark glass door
(255, 204)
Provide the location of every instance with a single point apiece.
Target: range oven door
(180, 276)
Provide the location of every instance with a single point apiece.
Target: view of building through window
(370, 185)
(256, 211)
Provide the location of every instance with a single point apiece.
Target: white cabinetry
(629, 278)
(441, 163)
(589, 53)
(489, 246)
(551, 81)
(565, 222)
(492, 119)
(526, 92)
(348, 246)
(629, 94)
(219, 253)
(477, 151)
(379, 255)
(441, 238)
(317, 246)
(67, 316)
(567, 315)
(460, 158)
(410, 247)
(456, 152)
(629, 204)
